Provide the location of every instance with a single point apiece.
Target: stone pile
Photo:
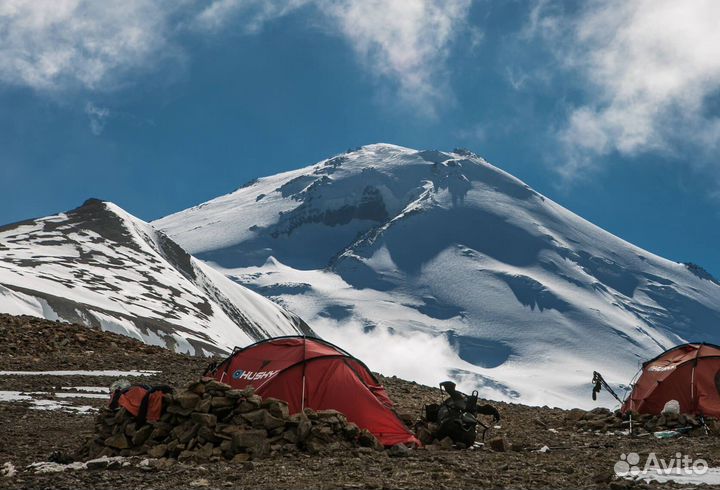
(210, 421)
(603, 420)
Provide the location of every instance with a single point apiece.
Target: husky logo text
(253, 375)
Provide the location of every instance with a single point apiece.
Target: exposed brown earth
(583, 447)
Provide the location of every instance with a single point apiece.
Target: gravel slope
(576, 459)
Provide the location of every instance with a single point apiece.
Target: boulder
(252, 440)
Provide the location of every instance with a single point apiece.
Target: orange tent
(688, 373)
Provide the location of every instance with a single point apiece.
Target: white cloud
(254, 13)
(650, 66)
(403, 41)
(98, 117)
(54, 45)
(51, 45)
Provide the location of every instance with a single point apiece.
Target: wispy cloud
(247, 15)
(649, 67)
(51, 45)
(54, 45)
(405, 41)
(98, 117)
(402, 41)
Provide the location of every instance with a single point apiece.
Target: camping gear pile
(456, 418)
(210, 421)
(312, 373)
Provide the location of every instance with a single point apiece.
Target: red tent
(688, 373)
(310, 372)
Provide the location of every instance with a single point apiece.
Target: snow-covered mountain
(99, 266)
(431, 264)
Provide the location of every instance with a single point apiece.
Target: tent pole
(692, 378)
(302, 401)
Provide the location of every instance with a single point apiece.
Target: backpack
(142, 401)
(456, 416)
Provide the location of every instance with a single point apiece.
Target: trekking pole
(705, 427)
(600, 383)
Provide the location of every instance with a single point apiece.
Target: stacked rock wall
(211, 421)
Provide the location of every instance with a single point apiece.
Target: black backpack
(456, 416)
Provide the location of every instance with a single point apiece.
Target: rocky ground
(532, 447)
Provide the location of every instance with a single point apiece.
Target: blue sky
(612, 109)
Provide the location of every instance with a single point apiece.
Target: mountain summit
(457, 267)
(99, 266)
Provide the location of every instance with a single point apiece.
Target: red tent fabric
(688, 373)
(310, 372)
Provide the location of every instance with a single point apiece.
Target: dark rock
(399, 451)
(351, 431)
(367, 439)
(197, 387)
(204, 419)
(203, 406)
(217, 386)
(277, 408)
(249, 404)
(262, 419)
(157, 451)
(141, 435)
(187, 400)
(575, 415)
(253, 440)
(118, 441)
(304, 427)
(221, 402)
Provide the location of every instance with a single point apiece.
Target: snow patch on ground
(106, 372)
(51, 467)
(50, 404)
(8, 470)
(88, 389)
(711, 477)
